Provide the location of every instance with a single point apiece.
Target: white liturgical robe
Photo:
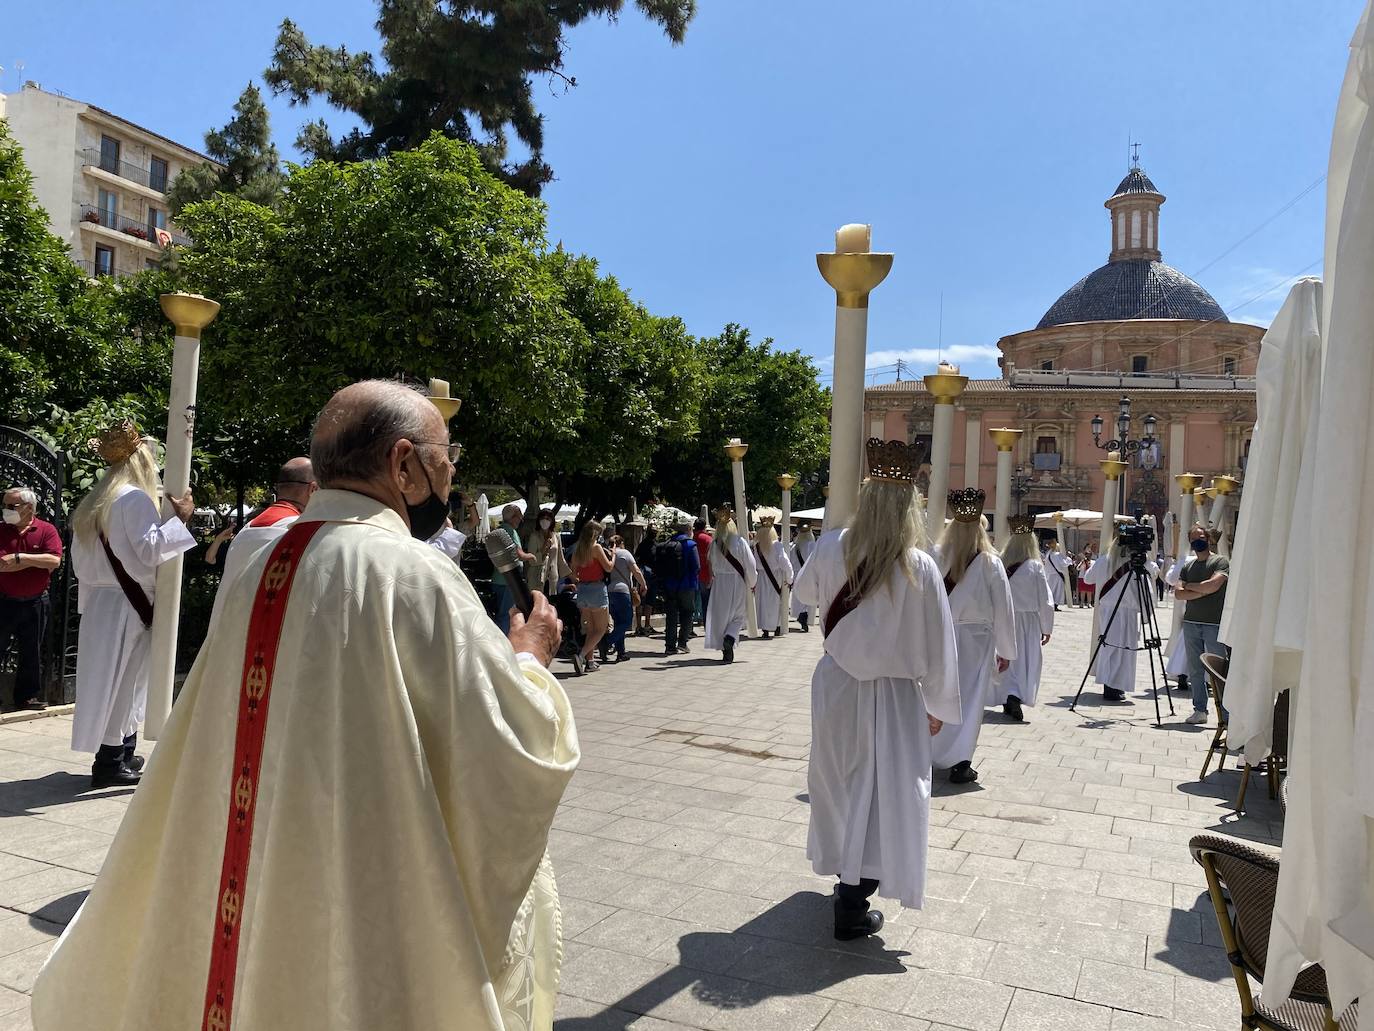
(1034, 613)
(112, 649)
(768, 599)
(886, 665)
(802, 550)
(729, 592)
(396, 875)
(1115, 666)
(984, 629)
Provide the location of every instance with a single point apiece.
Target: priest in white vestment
(345, 822)
(1056, 568)
(886, 681)
(1117, 591)
(774, 574)
(1033, 610)
(733, 576)
(980, 601)
(119, 540)
(803, 546)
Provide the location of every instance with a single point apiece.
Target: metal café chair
(1216, 666)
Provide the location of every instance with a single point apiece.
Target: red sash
(259, 662)
(1112, 581)
(842, 604)
(1011, 569)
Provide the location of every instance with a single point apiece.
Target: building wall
(1200, 348)
(46, 128)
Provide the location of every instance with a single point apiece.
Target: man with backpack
(677, 566)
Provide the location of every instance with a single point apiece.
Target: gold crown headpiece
(117, 442)
(892, 461)
(1021, 524)
(967, 504)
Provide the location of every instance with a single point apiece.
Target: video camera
(1139, 540)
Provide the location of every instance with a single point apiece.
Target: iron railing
(90, 268)
(134, 173)
(129, 226)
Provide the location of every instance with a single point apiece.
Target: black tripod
(1149, 633)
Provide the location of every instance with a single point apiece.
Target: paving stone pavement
(1061, 894)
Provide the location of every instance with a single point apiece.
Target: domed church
(1134, 328)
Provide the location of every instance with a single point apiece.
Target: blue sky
(979, 139)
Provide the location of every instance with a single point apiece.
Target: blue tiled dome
(1122, 290)
(1136, 181)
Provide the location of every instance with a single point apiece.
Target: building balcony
(89, 267)
(132, 228)
(92, 158)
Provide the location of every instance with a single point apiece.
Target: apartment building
(102, 179)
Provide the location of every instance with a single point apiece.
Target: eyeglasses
(454, 451)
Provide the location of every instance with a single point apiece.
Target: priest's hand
(935, 724)
(540, 634)
(183, 506)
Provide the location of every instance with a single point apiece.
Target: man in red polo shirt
(703, 542)
(30, 549)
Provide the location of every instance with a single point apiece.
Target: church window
(1120, 230)
(1228, 366)
(1135, 228)
(1139, 365)
(1047, 365)
(1150, 231)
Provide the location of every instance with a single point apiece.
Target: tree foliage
(466, 70)
(251, 166)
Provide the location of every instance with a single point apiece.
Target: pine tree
(465, 70)
(251, 166)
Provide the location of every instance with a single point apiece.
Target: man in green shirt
(1202, 587)
(511, 517)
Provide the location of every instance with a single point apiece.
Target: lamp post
(1005, 439)
(786, 481)
(736, 451)
(189, 313)
(1122, 444)
(853, 271)
(1112, 470)
(945, 387)
(1021, 481)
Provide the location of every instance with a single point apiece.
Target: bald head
(357, 429)
(296, 481)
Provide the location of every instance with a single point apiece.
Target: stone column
(1005, 439)
(945, 387)
(1111, 470)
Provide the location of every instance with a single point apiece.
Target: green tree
(466, 70)
(250, 166)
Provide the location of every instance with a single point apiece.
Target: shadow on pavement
(58, 911)
(788, 950)
(22, 797)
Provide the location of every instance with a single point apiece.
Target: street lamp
(1021, 481)
(1122, 443)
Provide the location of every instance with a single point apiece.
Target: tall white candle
(854, 239)
(438, 388)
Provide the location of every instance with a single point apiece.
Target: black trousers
(24, 620)
(678, 609)
(853, 898)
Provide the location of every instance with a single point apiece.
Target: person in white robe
(803, 545)
(1174, 654)
(774, 574)
(119, 514)
(1117, 592)
(887, 680)
(294, 487)
(348, 829)
(733, 576)
(1056, 567)
(980, 601)
(1033, 609)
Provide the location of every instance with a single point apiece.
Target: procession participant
(803, 545)
(776, 567)
(352, 693)
(887, 679)
(980, 601)
(293, 489)
(1033, 608)
(1115, 665)
(30, 552)
(1174, 654)
(1056, 568)
(733, 575)
(119, 540)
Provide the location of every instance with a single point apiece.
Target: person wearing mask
(626, 579)
(676, 563)
(358, 766)
(980, 601)
(776, 570)
(1202, 589)
(733, 575)
(30, 551)
(549, 567)
(803, 546)
(703, 542)
(511, 517)
(591, 563)
(1032, 604)
(1116, 592)
(118, 541)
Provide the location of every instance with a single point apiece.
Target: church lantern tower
(1134, 211)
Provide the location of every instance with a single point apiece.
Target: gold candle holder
(853, 276)
(1112, 469)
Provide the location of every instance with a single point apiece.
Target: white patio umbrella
(1272, 556)
(1325, 906)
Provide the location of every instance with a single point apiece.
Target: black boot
(853, 917)
(134, 762)
(1182, 684)
(804, 619)
(109, 769)
(765, 635)
(1012, 708)
(1111, 694)
(729, 649)
(963, 773)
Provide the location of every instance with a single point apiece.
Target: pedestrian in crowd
(1202, 589)
(1161, 573)
(626, 579)
(644, 611)
(387, 688)
(733, 575)
(703, 542)
(803, 547)
(1033, 609)
(511, 517)
(30, 551)
(591, 563)
(294, 486)
(549, 567)
(1071, 567)
(119, 540)
(221, 541)
(676, 564)
(1115, 665)
(776, 567)
(1086, 588)
(1056, 567)
(980, 601)
(886, 680)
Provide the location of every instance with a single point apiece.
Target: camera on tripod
(1138, 540)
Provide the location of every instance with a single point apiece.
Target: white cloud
(928, 356)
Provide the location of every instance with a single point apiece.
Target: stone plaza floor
(1061, 894)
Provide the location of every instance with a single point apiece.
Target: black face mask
(1199, 545)
(428, 516)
